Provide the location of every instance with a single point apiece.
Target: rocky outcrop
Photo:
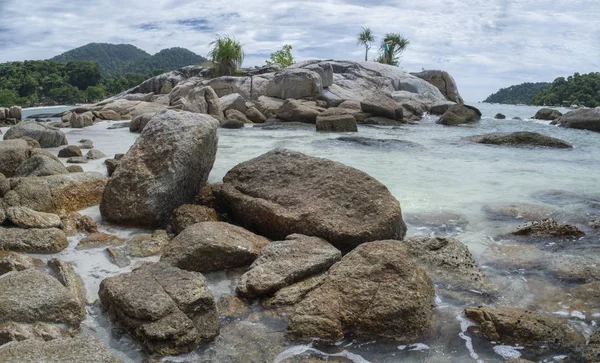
(336, 123)
(189, 214)
(460, 114)
(282, 263)
(165, 168)
(168, 310)
(10, 115)
(49, 240)
(40, 165)
(211, 246)
(375, 292)
(521, 138)
(542, 332)
(47, 136)
(80, 349)
(31, 296)
(584, 119)
(284, 192)
(192, 97)
(444, 82)
(547, 114)
(59, 194)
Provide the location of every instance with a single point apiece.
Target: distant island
(86, 74)
(578, 89)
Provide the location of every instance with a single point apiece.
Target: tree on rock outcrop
(396, 48)
(366, 38)
(227, 54)
(282, 58)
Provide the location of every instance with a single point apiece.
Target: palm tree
(397, 46)
(227, 54)
(366, 38)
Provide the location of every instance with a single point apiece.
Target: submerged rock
(169, 310)
(210, 246)
(548, 228)
(80, 349)
(49, 240)
(520, 139)
(282, 263)
(547, 114)
(438, 222)
(284, 192)
(145, 245)
(542, 332)
(393, 144)
(459, 114)
(526, 211)
(165, 168)
(375, 292)
(99, 239)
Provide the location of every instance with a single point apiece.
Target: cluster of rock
(10, 115)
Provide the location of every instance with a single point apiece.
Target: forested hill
(519, 94)
(578, 89)
(118, 59)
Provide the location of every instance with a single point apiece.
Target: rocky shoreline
(315, 245)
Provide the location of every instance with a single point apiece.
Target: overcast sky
(484, 44)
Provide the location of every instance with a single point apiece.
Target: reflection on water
(442, 183)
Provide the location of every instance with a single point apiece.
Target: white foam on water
(507, 351)
(418, 347)
(578, 314)
(301, 349)
(464, 325)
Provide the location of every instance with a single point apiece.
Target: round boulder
(547, 114)
(460, 114)
(46, 135)
(40, 165)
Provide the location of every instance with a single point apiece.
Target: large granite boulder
(444, 82)
(295, 83)
(248, 87)
(170, 311)
(460, 114)
(584, 119)
(376, 291)
(211, 246)
(40, 165)
(12, 154)
(511, 326)
(233, 101)
(548, 114)
(80, 349)
(382, 105)
(15, 112)
(50, 240)
(284, 192)
(165, 168)
(47, 136)
(31, 296)
(521, 138)
(59, 194)
(192, 96)
(282, 263)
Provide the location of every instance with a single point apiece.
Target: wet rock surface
(282, 263)
(522, 211)
(209, 246)
(548, 228)
(375, 292)
(169, 310)
(520, 139)
(284, 192)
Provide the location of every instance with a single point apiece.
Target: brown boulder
(189, 214)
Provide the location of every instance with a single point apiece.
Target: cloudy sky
(484, 44)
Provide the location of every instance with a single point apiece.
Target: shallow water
(435, 173)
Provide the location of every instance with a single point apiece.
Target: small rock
(99, 239)
(69, 151)
(86, 144)
(254, 115)
(75, 222)
(547, 114)
(95, 154)
(77, 160)
(232, 307)
(548, 228)
(74, 169)
(66, 275)
(118, 256)
(525, 211)
(499, 116)
(145, 245)
(189, 214)
(10, 261)
(460, 114)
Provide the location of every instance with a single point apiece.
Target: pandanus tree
(227, 54)
(366, 38)
(396, 44)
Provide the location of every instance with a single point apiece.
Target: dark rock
(119, 125)
(282, 263)
(547, 114)
(284, 192)
(392, 144)
(584, 119)
(520, 139)
(69, 151)
(189, 214)
(254, 115)
(165, 168)
(210, 246)
(460, 114)
(169, 310)
(375, 292)
(499, 116)
(548, 228)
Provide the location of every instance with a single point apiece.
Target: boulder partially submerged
(460, 114)
(584, 119)
(521, 138)
(284, 192)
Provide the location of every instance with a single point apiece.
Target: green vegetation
(521, 94)
(227, 54)
(578, 89)
(397, 44)
(119, 59)
(32, 83)
(366, 38)
(282, 58)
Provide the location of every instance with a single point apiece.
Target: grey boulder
(46, 135)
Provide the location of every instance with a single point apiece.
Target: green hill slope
(518, 94)
(166, 59)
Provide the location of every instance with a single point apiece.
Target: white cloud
(484, 44)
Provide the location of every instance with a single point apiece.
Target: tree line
(32, 83)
